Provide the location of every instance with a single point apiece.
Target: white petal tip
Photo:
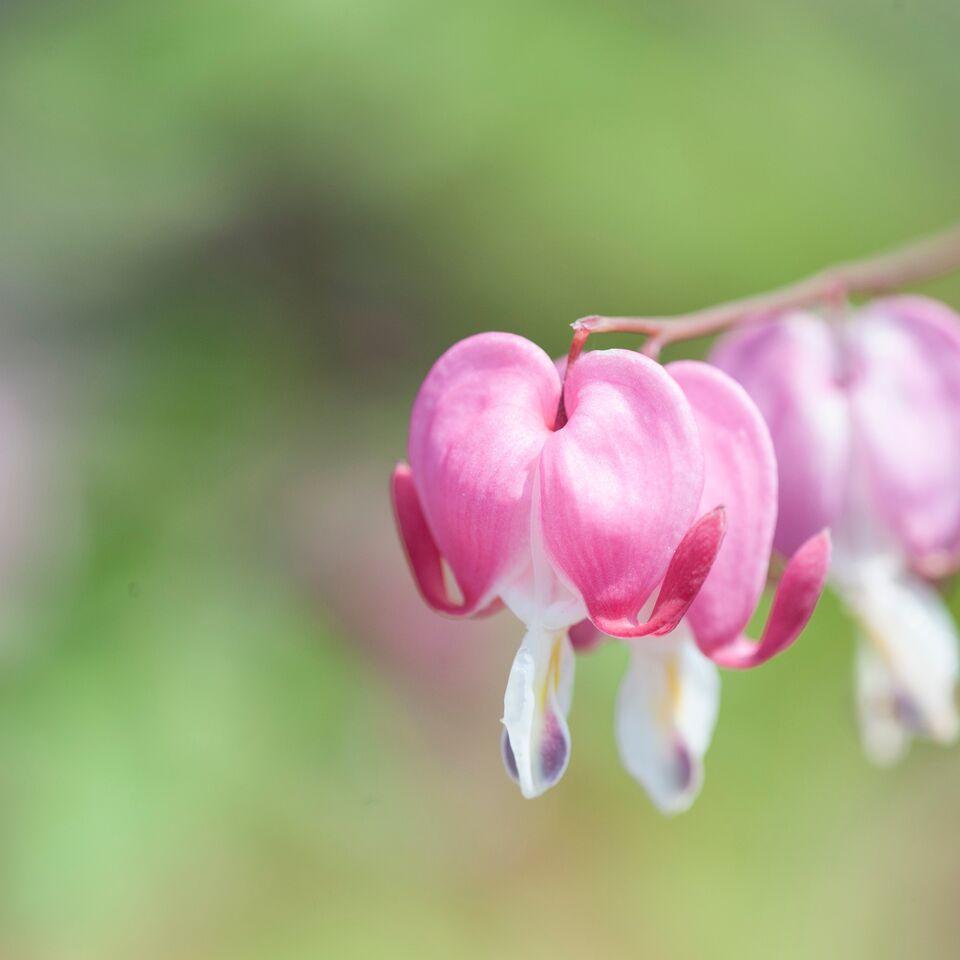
(676, 789)
(666, 711)
(535, 743)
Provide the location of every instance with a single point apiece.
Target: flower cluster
(616, 518)
(621, 498)
(864, 410)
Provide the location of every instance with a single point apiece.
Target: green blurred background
(234, 235)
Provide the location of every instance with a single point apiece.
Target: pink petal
(421, 550)
(740, 475)
(905, 403)
(793, 604)
(620, 482)
(688, 569)
(479, 423)
(792, 370)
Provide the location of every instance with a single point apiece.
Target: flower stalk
(922, 260)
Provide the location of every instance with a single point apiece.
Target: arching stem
(922, 260)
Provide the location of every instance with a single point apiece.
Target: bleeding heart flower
(668, 702)
(583, 520)
(864, 413)
(586, 520)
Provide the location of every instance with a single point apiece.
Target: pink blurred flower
(865, 418)
(562, 523)
(668, 702)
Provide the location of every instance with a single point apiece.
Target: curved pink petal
(794, 602)
(684, 578)
(792, 369)
(740, 474)
(421, 551)
(905, 405)
(689, 567)
(479, 423)
(619, 483)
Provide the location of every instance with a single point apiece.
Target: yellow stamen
(553, 670)
(671, 701)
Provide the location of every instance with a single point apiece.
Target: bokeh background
(234, 236)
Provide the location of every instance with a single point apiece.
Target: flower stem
(922, 260)
(576, 347)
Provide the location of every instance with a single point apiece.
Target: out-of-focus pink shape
(865, 419)
(796, 387)
(864, 411)
(904, 395)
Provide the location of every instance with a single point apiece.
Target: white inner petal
(536, 594)
(535, 706)
(907, 666)
(666, 712)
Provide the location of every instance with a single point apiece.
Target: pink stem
(918, 261)
(576, 348)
